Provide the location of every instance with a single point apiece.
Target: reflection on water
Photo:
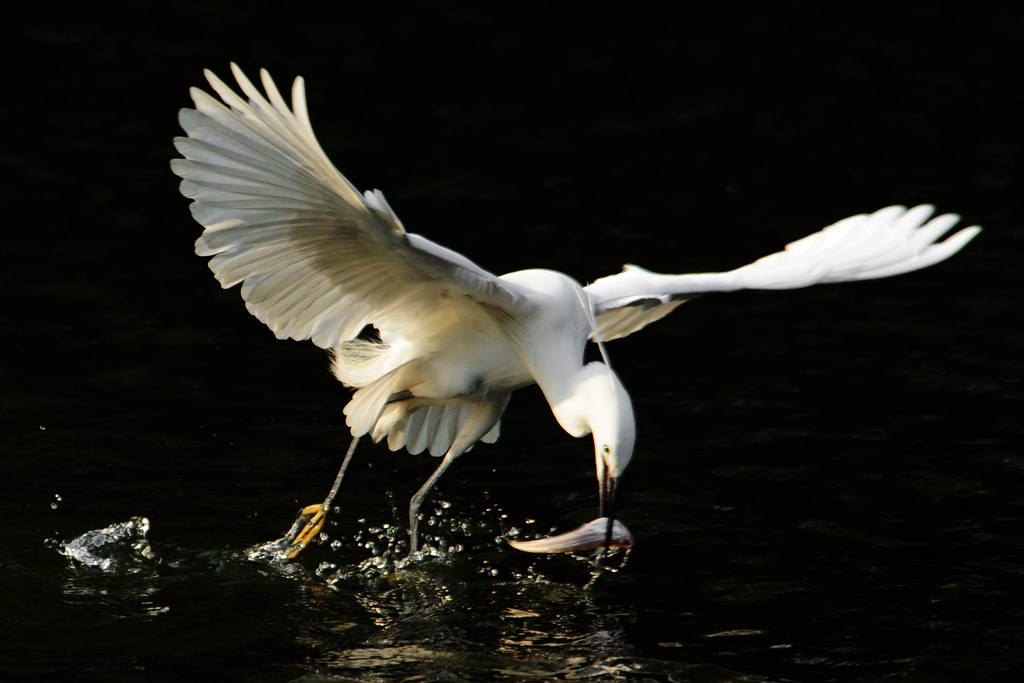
(138, 596)
(465, 604)
(113, 570)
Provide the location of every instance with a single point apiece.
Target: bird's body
(447, 389)
(470, 354)
(318, 260)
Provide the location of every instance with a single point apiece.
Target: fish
(587, 537)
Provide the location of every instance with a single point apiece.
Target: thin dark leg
(314, 516)
(481, 418)
(421, 495)
(341, 473)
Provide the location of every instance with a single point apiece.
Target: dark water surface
(827, 483)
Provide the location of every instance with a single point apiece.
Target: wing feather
(890, 241)
(316, 259)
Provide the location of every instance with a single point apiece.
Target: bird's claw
(312, 517)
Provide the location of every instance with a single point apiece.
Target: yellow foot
(314, 517)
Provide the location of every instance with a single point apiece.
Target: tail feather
(368, 404)
(418, 425)
(390, 419)
(447, 426)
(430, 427)
(413, 423)
(412, 429)
(492, 436)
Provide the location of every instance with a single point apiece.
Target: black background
(837, 469)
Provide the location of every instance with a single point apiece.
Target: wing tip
(895, 209)
(963, 236)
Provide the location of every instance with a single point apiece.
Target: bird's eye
(606, 449)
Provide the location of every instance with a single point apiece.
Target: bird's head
(611, 420)
(609, 414)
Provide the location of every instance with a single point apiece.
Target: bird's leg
(315, 515)
(482, 416)
(421, 495)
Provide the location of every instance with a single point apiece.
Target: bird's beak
(607, 487)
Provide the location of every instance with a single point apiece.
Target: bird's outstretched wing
(890, 241)
(316, 259)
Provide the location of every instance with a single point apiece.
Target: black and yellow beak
(607, 487)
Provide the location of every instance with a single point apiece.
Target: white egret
(318, 260)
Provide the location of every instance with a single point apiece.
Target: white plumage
(890, 241)
(318, 260)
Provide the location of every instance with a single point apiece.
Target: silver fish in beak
(590, 536)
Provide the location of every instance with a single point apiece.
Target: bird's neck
(572, 397)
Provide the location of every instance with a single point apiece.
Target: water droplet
(335, 545)
(42, 428)
(445, 504)
(530, 521)
(53, 506)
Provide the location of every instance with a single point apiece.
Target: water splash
(447, 533)
(464, 537)
(120, 547)
(272, 552)
(275, 555)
